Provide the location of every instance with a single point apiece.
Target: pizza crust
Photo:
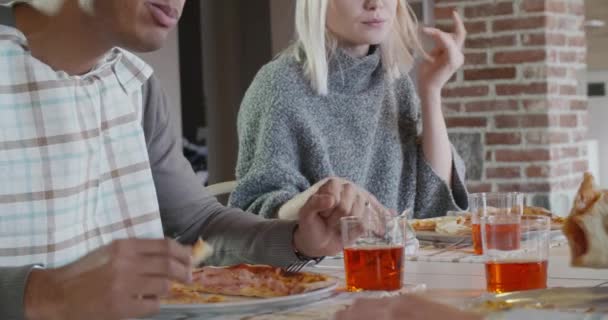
(587, 226)
(456, 226)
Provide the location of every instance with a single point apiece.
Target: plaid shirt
(74, 169)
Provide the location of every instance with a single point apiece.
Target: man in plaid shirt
(92, 178)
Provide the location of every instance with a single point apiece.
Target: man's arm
(12, 288)
(188, 211)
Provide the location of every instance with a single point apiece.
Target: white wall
(166, 67)
(598, 130)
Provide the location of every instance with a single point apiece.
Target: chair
(222, 190)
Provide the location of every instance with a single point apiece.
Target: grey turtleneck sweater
(366, 130)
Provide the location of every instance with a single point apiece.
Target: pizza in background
(587, 226)
(461, 225)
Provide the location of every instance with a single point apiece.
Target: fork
(297, 267)
(455, 245)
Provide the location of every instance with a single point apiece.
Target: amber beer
(476, 235)
(374, 268)
(516, 276)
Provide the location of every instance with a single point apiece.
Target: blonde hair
(315, 45)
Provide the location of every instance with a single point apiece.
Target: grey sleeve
(269, 162)
(188, 211)
(13, 281)
(433, 195)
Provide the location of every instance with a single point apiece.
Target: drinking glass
(515, 264)
(374, 252)
(483, 204)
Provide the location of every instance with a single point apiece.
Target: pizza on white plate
(216, 284)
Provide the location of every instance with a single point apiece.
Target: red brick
(475, 59)
(524, 187)
(520, 56)
(489, 155)
(538, 171)
(491, 105)
(503, 173)
(522, 121)
(544, 137)
(580, 166)
(490, 74)
(577, 41)
(443, 13)
(472, 91)
(544, 6)
(553, 88)
(490, 42)
(475, 27)
(569, 152)
(567, 57)
(519, 89)
(491, 9)
(466, 122)
(541, 39)
(512, 24)
(568, 121)
(568, 90)
(544, 105)
(511, 138)
(578, 105)
(478, 187)
(534, 72)
(562, 169)
(543, 71)
(564, 23)
(576, 8)
(570, 184)
(523, 155)
(557, 72)
(581, 57)
(579, 136)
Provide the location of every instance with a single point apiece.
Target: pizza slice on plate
(215, 284)
(257, 281)
(587, 226)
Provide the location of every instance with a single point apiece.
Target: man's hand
(402, 308)
(318, 233)
(122, 280)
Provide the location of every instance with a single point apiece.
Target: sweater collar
(348, 74)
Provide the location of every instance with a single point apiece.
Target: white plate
(248, 305)
(432, 236)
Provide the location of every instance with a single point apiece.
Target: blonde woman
(340, 103)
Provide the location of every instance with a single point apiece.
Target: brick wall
(515, 111)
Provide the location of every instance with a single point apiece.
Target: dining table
(454, 277)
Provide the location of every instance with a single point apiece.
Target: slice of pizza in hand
(587, 226)
(201, 251)
(256, 281)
